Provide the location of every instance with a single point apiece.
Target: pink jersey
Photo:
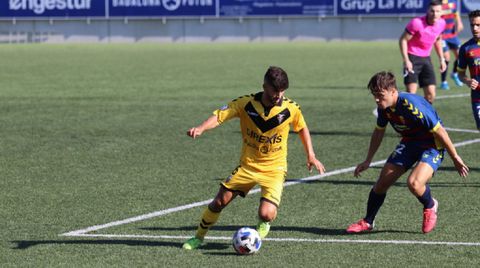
(423, 35)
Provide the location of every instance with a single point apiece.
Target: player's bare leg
(210, 216)
(388, 176)
(417, 184)
(430, 93)
(267, 212)
(412, 88)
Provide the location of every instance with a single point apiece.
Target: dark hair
(474, 14)
(435, 3)
(382, 80)
(277, 78)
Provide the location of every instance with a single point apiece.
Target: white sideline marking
(202, 203)
(205, 202)
(298, 240)
(452, 96)
(462, 130)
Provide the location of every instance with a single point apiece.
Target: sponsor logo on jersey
(275, 138)
(399, 127)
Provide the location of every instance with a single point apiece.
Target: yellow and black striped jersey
(264, 130)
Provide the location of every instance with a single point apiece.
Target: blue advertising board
(470, 5)
(162, 8)
(217, 8)
(382, 7)
(52, 8)
(276, 7)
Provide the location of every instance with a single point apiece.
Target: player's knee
(379, 188)
(415, 186)
(217, 205)
(267, 215)
(267, 212)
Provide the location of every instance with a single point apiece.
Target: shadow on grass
(452, 169)
(338, 133)
(25, 244)
(457, 184)
(311, 230)
(223, 254)
(347, 133)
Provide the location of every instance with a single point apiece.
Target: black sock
(444, 73)
(375, 201)
(426, 199)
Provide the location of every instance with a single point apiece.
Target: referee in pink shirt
(416, 44)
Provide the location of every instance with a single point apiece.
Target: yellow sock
(209, 218)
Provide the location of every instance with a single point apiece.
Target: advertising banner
(52, 8)
(276, 7)
(382, 7)
(162, 8)
(470, 5)
(218, 8)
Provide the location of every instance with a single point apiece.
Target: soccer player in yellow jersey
(265, 120)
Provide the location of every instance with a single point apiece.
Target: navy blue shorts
(451, 43)
(407, 154)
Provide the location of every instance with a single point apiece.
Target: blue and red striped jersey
(413, 118)
(450, 9)
(469, 56)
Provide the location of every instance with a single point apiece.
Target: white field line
(452, 96)
(462, 130)
(297, 240)
(205, 202)
(201, 203)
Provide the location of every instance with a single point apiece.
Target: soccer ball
(246, 241)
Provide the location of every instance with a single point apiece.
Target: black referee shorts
(423, 72)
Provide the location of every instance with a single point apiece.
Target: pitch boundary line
(452, 96)
(82, 232)
(205, 202)
(297, 240)
(461, 130)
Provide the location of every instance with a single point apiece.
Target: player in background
(265, 120)
(454, 25)
(421, 148)
(416, 42)
(469, 56)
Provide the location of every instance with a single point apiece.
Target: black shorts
(423, 72)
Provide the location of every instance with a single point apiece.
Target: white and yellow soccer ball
(246, 241)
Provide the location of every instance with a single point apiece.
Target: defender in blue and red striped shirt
(450, 40)
(424, 141)
(469, 56)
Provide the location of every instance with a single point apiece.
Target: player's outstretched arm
(312, 161)
(210, 123)
(375, 141)
(442, 135)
